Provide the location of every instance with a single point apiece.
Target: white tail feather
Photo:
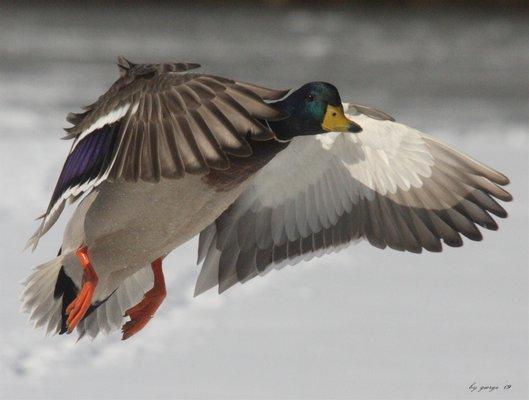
(45, 310)
(37, 299)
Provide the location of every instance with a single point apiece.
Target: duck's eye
(310, 97)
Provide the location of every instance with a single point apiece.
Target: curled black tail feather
(66, 289)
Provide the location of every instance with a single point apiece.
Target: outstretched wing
(157, 122)
(389, 184)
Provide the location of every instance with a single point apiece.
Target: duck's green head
(314, 108)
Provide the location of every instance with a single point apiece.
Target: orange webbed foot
(77, 309)
(142, 312)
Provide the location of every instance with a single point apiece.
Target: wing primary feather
(147, 172)
(433, 221)
(203, 91)
(263, 228)
(136, 164)
(279, 253)
(293, 248)
(461, 159)
(155, 151)
(264, 258)
(404, 224)
(193, 159)
(227, 268)
(254, 104)
(264, 93)
(175, 103)
(245, 265)
(169, 132)
(208, 143)
(484, 200)
(191, 99)
(241, 117)
(392, 236)
(212, 83)
(233, 143)
(205, 241)
(122, 151)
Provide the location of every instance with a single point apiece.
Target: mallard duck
(266, 178)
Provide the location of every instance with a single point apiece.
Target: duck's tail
(38, 297)
(50, 289)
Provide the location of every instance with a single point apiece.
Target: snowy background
(363, 323)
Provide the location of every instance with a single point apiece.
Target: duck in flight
(266, 177)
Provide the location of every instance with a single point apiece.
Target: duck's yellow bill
(335, 121)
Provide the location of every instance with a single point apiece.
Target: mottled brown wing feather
(179, 123)
(156, 121)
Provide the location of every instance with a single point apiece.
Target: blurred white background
(364, 323)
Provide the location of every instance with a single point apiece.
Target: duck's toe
(141, 313)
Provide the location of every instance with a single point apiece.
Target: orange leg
(142, 312)
(78, 307)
